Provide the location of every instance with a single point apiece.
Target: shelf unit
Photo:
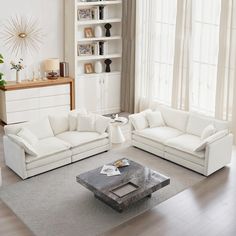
(75, 35)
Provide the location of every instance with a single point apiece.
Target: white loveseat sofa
(178, 136)
(35, 147)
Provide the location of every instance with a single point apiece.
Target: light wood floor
(208, 208)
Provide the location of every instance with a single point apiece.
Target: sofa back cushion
(86, 123)
(40, 128)
(197, 123)
(174, 118)
(72, 116)
(59, 123)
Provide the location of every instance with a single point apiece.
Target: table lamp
(52, 67)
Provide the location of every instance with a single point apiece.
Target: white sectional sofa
(35, 147)
(197, 142)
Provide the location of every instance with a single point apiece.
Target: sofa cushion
(28, 136)
(35, 162)
(72, 116)
(197, 123)
(155, 119)
(149, 142)
(49, 146)
(75, 138)
(186, 143)
(174, 118)
(185, 155)
(28, 148)
(59, 123)
(41, 128)
(86, 123)
(159, 134)
(84, 147)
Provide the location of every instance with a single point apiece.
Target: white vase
(18, 76)
(98, 31)
(98, 67)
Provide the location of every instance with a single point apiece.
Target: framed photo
(88, 68)
(85, 14)
(85, 49)
(88, 32)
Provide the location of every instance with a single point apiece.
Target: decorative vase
(18, 76)
(98, 67)
(98, 31)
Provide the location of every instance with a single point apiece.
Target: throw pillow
(102, 123)
(59, 123)
(86, 123)
(24, 144)
(216, 136)
(208, 131)
(28, 136)
(139, 121)
(73, 115)
(155, 119)
(211, 139)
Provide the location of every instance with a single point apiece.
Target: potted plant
(2, 81)
(18, 67)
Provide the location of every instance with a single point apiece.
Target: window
(163, 43)
(205, 48)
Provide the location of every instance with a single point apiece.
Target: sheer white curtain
(204, 59)
(155, 40)
(226, 72)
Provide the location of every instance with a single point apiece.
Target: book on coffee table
(110, 170)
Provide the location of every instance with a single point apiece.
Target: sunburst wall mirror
(22, 35)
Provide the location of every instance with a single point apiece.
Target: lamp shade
(52, 64)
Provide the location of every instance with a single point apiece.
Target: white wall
(50, 14)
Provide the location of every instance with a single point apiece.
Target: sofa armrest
(14, 157)
(218, 154)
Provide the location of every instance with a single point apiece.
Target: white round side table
(116, 133)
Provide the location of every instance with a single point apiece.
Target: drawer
(22, 105)
(21, 94)
(54, 110)
(55, 90)
(16, 117)
(52, 101)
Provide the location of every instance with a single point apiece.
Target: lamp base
(52, 76)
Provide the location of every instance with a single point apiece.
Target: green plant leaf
(1, 59)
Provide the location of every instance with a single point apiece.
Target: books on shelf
(92, 13)
(96, 48)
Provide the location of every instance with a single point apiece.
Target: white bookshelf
(105, 82)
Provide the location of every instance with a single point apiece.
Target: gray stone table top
(140, 179)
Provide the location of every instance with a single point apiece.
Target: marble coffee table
(135, 182)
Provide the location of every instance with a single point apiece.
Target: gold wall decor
(22, 35)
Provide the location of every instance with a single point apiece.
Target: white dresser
(29, 101)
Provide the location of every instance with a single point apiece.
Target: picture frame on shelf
(88, 68)
(85, 14)
(88, 13)
(85, 49)
(88, 32)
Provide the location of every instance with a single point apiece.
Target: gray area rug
(54, 204)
